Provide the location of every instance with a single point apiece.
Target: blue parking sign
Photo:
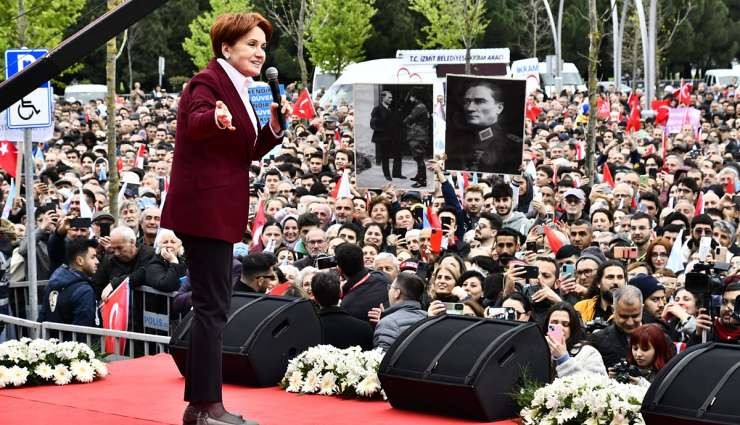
(34, 109)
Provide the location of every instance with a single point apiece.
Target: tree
(538, 37)
(445, 28)
(291, 16)
(110, 104)
(198, 45)
(337, 32)
(44, 24)
(397, 28)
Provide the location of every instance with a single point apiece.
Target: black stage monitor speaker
(699, 386)
(463, 366)
(262, 333)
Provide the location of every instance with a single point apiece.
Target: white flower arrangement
(42, 361)
(586, 399)
(327, 370)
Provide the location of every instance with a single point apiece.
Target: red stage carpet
(149, 391)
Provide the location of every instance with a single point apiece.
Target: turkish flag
(661, 108)
(532, 111)
(633, 122)
(607, 175)
(114, 312)
(633, 101)
(8, 157)
(684, 95)
(303, 106)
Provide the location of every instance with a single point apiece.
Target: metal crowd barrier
(156, 321)
(19, 328)
(135, 344)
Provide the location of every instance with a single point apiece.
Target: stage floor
(149, 390)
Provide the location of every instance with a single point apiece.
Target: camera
(624, 371)
(501, 313)
(704, 279)
(326, 262)
(454, 308)
(596, 325)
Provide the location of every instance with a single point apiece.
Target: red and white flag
(342, 187)
(699, 207)
(555, 239)
(633, 122)
(303, 106)
(607, 175)
(532, 111)
(8, 157)
(684, 94)
(114, 312)
(259, 223)
(140, 155)
(662, 109)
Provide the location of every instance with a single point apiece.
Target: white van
(85, 92)
(378, 71)
(572, 79)
(722, 77)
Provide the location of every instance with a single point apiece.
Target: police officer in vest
(70, 297)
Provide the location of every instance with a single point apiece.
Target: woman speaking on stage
(207, 205)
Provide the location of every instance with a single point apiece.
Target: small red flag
(259, 222)
(8, 157)
(140, 155)
(662, 109)
(114, 313)
(730, 186)
(699, 207)
(532, 110)
(555, 239)
(633, 123)
(633, 101)
(607, 175)
(303, 106)
(684, 95)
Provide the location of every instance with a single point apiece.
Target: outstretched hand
(223, 116)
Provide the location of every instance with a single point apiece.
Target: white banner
(450, 56)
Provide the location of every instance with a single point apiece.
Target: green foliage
(46, 21)
(447, 27)
(396, 26)
(198, 44)
(337, 32)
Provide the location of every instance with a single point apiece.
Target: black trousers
(209, 268)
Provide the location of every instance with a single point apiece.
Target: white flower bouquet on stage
(327, 370)
(583, 399)
(44, 361)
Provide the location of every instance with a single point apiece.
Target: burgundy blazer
(209, 186)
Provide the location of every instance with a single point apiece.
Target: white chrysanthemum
(294, 382)
(311, 384)
(62, 375)
(3, 376)
(82, 370)
(44, 371)
(328, 384)
(368, 386)
(101, 369)
(17, 375)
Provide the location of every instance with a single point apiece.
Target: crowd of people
(588, 259)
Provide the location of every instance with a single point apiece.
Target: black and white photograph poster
(485, 124)
(393, 135)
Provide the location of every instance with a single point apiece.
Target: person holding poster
(484, 135)
(218, 136)
(416, 125)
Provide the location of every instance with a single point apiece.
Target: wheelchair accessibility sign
(34, 109)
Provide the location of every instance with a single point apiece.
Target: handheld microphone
(272, 79)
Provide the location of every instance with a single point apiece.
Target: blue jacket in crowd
(69, 298)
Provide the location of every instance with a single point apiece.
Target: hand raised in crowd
(546, 294)
(104, 243)
(703, 321)
(569, 286)
(511, 276)
(460, 293)
(63, 225)
(223, 116)
(49, 221)
(436, 308)
(374, 314)
(106, 292)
